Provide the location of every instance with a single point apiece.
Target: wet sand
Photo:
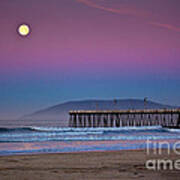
(84, 166)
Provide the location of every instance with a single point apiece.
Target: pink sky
(97, 40)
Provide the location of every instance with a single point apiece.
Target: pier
(120, 118)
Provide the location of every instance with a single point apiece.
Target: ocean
(37, 139)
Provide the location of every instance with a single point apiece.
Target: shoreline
(74, 152)
(124, 164)
(66, 147)
(54, 147)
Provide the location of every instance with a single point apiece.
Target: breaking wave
(39, 134)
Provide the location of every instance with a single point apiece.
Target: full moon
(24, 30)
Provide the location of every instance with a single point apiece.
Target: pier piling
(120, 118)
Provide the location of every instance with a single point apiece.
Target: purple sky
(83, 49)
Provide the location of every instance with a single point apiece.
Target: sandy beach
(85, 165)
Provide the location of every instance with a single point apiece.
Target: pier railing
(120, 118)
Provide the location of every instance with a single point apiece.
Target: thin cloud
(165, 26)
(129, 11)
(122, 11)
